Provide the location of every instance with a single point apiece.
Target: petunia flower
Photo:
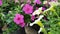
(29, 1)
(44, 2)
(19, 19)
(37, 12)
(0, 2)
(32, 17)
(43, 8)
(37, 2)
(28, 9)
(22, 24)
(54, 3)
(16, 1)
(38, 22)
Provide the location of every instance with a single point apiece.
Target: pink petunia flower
(0, 2)
(37, 2)
(43, 8)
(29, 1)
(32, 17)
(16, 1)
(22, 24)
(28, 9)
(19, 19)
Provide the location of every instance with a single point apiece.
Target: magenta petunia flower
(28, 9)
(0, 2)
(22, 24)
(32, 17)
(43, 8)
(37, 2)
(19, 19)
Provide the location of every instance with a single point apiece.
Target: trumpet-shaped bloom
(19, 19)
(44, 2)
(28, 1)
(54, 3)
(37, 12)
(37, 1)
(22, 24)
(28, 9)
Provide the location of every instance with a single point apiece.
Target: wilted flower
(0, 2)
(37, 2)
(28, 9)
(19, 19)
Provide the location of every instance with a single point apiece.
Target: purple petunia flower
(19, 19)
(0, 2)
(37, 2)
(33, 17)
(28, 9)
(43, 8)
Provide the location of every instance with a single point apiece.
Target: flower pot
(30, 30)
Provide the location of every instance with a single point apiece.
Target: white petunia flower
(52, 3)
(51, 8)
(35, 22)
(44, 2)
(37, 12)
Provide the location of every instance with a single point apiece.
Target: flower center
(18, 18)
(27, 9)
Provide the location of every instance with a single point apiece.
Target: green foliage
(9, 9)
(52, 25)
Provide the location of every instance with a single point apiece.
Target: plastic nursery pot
(30, 30)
